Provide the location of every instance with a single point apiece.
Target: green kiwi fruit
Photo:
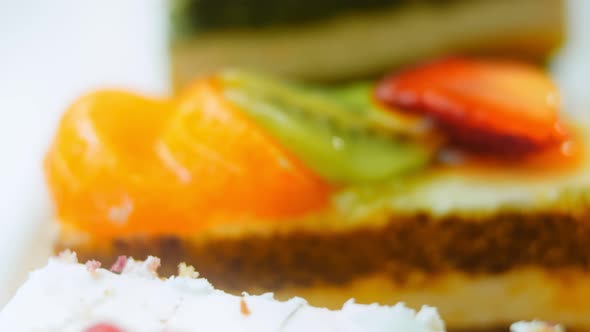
(333, 136)
(358, 99)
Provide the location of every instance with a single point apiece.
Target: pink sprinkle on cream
(92, 266)
(119, 265)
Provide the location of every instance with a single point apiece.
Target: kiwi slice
(335, 140)
(306, 99)
(358, 98)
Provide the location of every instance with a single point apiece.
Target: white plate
(51, 51)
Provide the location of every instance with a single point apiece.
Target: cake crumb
(68, 256)
(119, 265)
(244, 307)
(153, 264)
(92, 266)
(536, 326)
(187, 271)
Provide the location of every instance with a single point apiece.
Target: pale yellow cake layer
(474, 301)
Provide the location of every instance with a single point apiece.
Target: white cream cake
(67, 296)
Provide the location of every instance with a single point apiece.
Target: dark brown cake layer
(420, 244)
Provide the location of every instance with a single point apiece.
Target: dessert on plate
(337, 40)
(66, 296)
(455, 183)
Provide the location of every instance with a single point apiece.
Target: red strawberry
(103, 327)
(482, 105)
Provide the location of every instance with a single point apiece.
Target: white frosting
(69, 297)
(536, 326)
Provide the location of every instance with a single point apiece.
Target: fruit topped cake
(455, 183)
(350, 39)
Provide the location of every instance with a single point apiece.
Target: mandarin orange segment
(229, 168)
(101, 167)
(124, 164)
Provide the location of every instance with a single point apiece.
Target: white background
(50, 52)
(53, 50)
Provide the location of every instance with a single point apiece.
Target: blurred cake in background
(338, 40)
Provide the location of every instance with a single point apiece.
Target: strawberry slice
(482, 105)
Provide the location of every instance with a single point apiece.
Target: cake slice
(455, 183)
(66, 296)
(343, 40)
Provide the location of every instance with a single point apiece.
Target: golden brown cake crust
(469, 301)
(420, 245)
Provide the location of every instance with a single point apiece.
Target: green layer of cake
(195, 16)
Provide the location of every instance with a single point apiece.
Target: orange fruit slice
(124, 164)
